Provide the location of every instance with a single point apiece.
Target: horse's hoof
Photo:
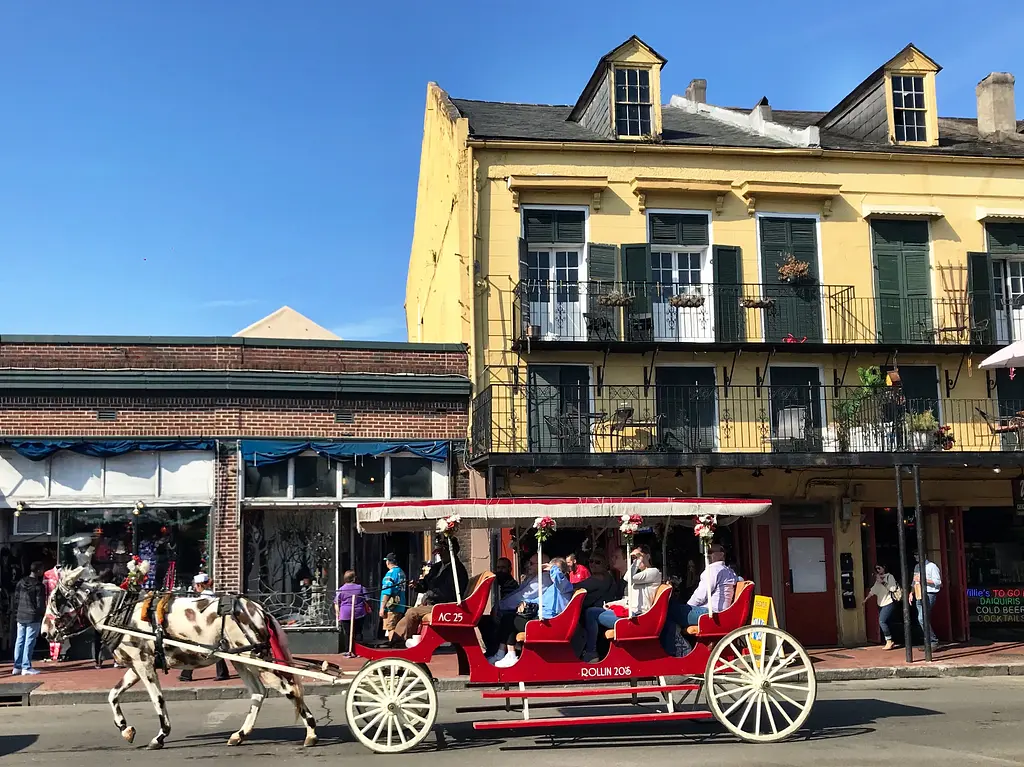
(235, 739)
(310, 741)
(129, 734)
(155, 745)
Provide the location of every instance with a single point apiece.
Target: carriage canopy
(570, 512)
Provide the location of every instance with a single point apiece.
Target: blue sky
(184, 168)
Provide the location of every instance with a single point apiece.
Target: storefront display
(994, 565)
(175, 542)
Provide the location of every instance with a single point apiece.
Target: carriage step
(569, 721)
(589, 692)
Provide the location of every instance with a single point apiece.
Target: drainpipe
(904, 580)
(922, 552)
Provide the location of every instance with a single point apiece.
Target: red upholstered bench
(647, 625)
(467, 612)
(735, 615)
(557, 629)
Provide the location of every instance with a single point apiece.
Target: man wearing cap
(203, 586)
(392, 595)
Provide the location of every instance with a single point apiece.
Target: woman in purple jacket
(350, 614)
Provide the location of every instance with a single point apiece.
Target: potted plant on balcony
(923, 428)
(757, 303)
(686, 300)
(615, 298)
(792, 271)
(860, 417)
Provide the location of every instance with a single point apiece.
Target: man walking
(392, 596)
(29, 606)
(203, 586)
(933, 584)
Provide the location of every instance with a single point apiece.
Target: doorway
(810, 585)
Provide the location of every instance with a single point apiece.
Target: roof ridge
(513, 103)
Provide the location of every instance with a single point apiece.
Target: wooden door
(810, 586)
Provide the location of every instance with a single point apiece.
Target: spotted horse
(235, 625)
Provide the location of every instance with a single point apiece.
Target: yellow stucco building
(794, 302)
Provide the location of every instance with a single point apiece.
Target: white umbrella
(1011, 356)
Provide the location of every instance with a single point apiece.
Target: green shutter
(982, 303)
(636, 278)
(686, 400)
(554, 225)
(919, 385)
(524, 265)
(730, 321)
(797, 391)
(602, 321)
(797, 310)
(558, 397)
(889, 293)
(1005, 239)
(679, 229)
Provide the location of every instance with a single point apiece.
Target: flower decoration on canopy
(544, 526)
(138, 569)
(705, 529)
(631, 524)
(448, 526)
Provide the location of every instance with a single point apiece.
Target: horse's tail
(281, 654)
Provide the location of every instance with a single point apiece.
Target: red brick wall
(219, 357)
(227, 533)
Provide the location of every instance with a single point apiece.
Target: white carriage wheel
(760, 693)
(391, 705)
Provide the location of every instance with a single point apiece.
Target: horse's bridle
(72, 616)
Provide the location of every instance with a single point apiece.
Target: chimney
(764, 109)
(996, 111)
(697, 91)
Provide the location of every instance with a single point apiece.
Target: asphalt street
(927, 722)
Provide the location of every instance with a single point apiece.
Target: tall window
(314, 476)
(908, 108)
(633, 102)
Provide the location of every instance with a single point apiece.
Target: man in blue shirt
(392, 595)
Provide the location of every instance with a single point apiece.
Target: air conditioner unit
(33, 523)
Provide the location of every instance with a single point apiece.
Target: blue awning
(40, 449)
(264, 451)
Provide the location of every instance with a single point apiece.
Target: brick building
(240, 456)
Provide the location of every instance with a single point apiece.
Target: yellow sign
(763, 614)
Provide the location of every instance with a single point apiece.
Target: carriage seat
(557, 629)
(647, 625)
(735, 615)
(469, 610)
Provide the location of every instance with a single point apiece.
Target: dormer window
(908, 108)
(633, 102)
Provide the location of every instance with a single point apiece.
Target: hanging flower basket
(686, 301)
(615, 298)
(757, 303)
(544, 526)
(448, 526)
(705, 530)
(792, 271)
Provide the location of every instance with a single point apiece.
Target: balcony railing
(648, 312)
(524, 418)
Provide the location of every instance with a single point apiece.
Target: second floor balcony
(567, 313)
(562, 420)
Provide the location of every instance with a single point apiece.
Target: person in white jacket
(644, 580)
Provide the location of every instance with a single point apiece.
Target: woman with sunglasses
(887, 594)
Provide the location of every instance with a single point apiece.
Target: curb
(919, 671)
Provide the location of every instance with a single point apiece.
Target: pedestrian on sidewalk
(933, 584)
(392, 596)
(50, 580)
(204, 587)
(29, 606)
(350, 609)
(887, 595)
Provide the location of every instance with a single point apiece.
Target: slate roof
(542, 122)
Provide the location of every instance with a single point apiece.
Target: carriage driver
(203, 586)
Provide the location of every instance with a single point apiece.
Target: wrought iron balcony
(533, 418)
(649, 312)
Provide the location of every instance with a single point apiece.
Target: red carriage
(756, 680)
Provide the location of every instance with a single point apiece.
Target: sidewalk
(79, 682)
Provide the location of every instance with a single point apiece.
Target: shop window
(175, 541)
(411, 478)
(267, 480)
(364, 477)
(315, 477)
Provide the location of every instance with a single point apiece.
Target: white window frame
(439, 480)
(16, 531)
(638, 104)
(922, 111)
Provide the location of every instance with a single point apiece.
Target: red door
(810, 586)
